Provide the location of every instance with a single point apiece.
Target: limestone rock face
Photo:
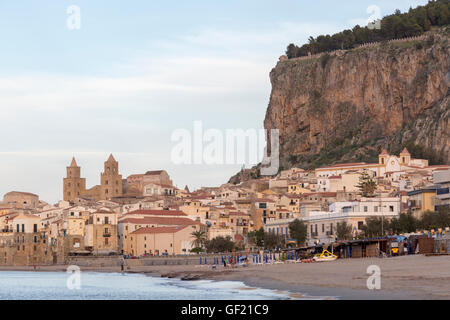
(347, 106)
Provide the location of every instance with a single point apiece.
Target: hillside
(347, 105)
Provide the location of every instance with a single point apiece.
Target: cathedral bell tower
(110, 180)
(383, 157)
(405, 157)
(73, 185)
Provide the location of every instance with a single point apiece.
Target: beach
(404, 277)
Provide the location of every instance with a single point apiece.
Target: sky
(136, 71)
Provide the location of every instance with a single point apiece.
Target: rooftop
(158, 230)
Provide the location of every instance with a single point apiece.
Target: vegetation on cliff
(415, 22)
(348, 107)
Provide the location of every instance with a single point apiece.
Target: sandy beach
(406, 277)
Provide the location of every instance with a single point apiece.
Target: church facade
(386, 163)
(74, 186)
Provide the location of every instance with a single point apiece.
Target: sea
(20, 285)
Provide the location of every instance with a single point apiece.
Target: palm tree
(199, 238)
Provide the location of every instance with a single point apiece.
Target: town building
(322, 225)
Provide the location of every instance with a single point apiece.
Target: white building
(322, 225)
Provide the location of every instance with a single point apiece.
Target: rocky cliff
(347, 105)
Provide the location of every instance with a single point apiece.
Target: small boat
(325, 256)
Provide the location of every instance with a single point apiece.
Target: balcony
(242, 224)
(106, 234)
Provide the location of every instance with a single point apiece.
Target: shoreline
(409, 277)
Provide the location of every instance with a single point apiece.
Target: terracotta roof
(323, 194)
(334, 177)
(161, 185)
(153, 173)
(161, 221)
(135, 176)
(104, 212)
(26, 216)
(238, 213)
(21, 193)
(158, 230)
(73, 163)
(292, 195)
(172, 213)
(384, 152)
(264, 200)
(405, 151)
(111, 158)
(348, 165)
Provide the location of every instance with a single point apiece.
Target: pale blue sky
(137, 70)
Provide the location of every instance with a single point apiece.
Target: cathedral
(110, 182)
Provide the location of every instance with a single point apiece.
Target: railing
(364, 45)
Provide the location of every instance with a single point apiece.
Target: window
(391, 208)
(106, 241)
(35, 228)
(365, 208)
(18, 228)
(376, 208)
(23, 228)
(323, 227)
(360, 225)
